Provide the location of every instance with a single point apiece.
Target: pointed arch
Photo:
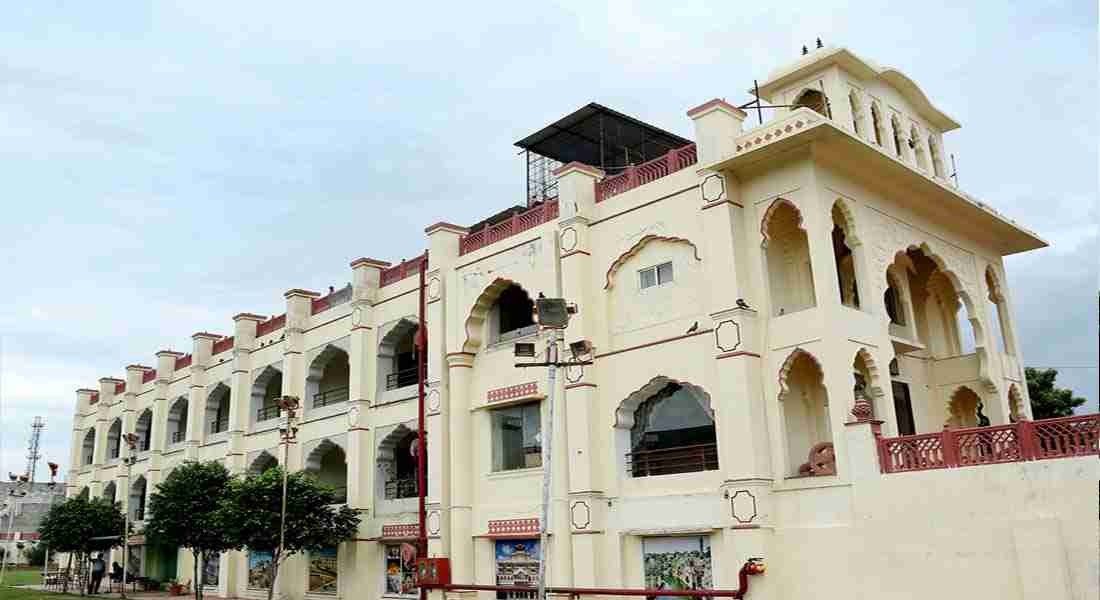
(328, 463)
(138, 493)
(790, 275)
(143, 428)
(265, 394)
(789, 363)
(329, 377)
(624, 414)
(397, 354)
(847, 256)
(637, 247)
(397, 461)
(1001, 321)
(87, 448)
(326, 445)
(770, 214)
(114, 440)
(804, 414)
(177, 421)
(479, 312)
(962, 407)
(812, 99)
(217, 409)
(878, 126)
(389, 442)
(263, 461)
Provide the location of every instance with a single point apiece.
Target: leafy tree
(251, 509)
(1047, 400)
(36, 556)
(81, 526)
(183, 511)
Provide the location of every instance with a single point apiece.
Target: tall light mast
(32, 447)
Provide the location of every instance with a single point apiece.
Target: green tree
(251, 509)
(1048, 400)
(36, 556)
(183, 512)
(81, 526)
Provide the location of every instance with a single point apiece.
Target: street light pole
(131, 458)
(288, 429)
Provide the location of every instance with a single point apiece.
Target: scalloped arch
(480, 310)
(313, 461)
(624, 414)
(788, 364)
(637, 247)
(851, 233)
(874, 386)
(769, 214)
(263, 461)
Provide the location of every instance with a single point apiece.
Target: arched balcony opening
(328, 464)
(177, 421)
(1000, 322)
(845, 258)
(804, 404)
(329, 378)
(857, 113)
(109, 492)
(937, 158)
(397, 461)
(813, 100)
(877, 124)
(787, 254)
(144, 430)
(899, 137)
(137, 499)
(87, 448)
(894, 298)
(512, 316)
(266, 391)
(114, 440)
(944, 323)
(217, 410)
(917, 142)
(963, 408)
(397, 356)
(262, 463)
(673, 431)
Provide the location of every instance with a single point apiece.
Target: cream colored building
(770, 307)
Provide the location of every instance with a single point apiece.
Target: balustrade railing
(335, 298)
(267, 413)
(177, 437)
(667, 461)
(637, 175)
(518, 223)
(219, 425)
(401, 488)
(1018, 442)
(149, 375)
(403, 269)
(400, 379)
(330, 396)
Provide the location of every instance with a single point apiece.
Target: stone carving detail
(569, 239)
(727, 335)
(434, 401)
(743, 506)
(433, 523)
(713, 188)
(821, 460)
(434, 287)
(862, 409)
(580, 514)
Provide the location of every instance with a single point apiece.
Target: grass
(23, 576)
(10, 593)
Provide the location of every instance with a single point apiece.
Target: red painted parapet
(401, 270)
(222, 345)
(1022, 441)
(93, 398)
(520, 222)
(183, 362)
(636, 175)
(149, 375)
(272, 324)
(120, 387)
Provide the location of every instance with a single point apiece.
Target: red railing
(405, 268)
(149, 375)
(272, 324)
(94, 398)
(222, 345)
(1022, 441)
(120, 387)
(183, 362)
(520, 222)
(636, 175)
(667, 461)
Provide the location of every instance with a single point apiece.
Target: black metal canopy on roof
(598, 136)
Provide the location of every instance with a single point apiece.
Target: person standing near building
(99, 567)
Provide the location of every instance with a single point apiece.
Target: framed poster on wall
(677, 563)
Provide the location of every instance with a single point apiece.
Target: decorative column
(583, 521)
(461, 467)
(735, 386)
(439, 403)
(166, 368)
(298, 313)
(134, 376)
(201, 353)
(80, 428)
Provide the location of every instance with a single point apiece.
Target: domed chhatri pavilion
(803, 349)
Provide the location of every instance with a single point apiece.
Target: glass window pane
(648, 278)
(664, 273)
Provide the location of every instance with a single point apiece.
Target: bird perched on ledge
(694, 327)
(742, 304)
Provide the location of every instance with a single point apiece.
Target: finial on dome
(819, 43)
(804, 50)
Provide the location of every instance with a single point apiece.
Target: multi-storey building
(796, 328)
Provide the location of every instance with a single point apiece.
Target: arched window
(845, 260)
(513, 315)
(857, 113)
(144, 430)
(397, 356)
(177, 421)
(934, 151)
(1001, 325)
(813, 100)
(917, 142)
(137, 499)
(787, 252)
(217, 410)
(109, 492)
(262, 463)
(328, 464)
(804, 404)
(898, 137)
(329, 377)
(942, 318)
(87, 449)
(963, 409)
(895, 306)
(400, 464)
(673, 433)
(266, 391)
(876, 123)
(114, 440)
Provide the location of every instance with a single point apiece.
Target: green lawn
(23, 576)
(8, 593)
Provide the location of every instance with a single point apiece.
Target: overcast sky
(163, 167)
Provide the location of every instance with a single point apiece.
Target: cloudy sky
(165, 166)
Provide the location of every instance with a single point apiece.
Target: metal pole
(282, 511)
(547, 447)
(421, 459)
(126, 530)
